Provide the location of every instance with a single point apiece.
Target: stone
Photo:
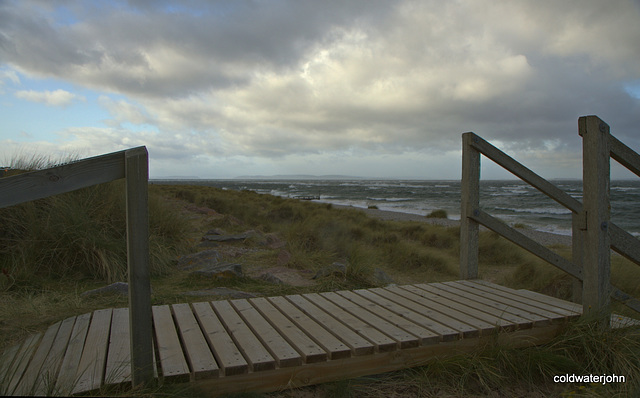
(201, 210)
(271, 278)
(202, 258)
(382, 278)
(228, 238)
(284, 257)
(272, 241)
(336, 269)
(220, 271)
(117, 287)
(284, 275)
(221, 291)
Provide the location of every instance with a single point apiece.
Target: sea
(512, 201)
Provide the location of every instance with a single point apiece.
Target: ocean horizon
(512, 201)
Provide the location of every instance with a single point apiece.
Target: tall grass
(81, 234)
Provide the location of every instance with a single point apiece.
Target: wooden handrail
(593, 233)
(516, 168)
(132, 164)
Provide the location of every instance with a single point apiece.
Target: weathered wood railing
(133, 165)
(593, 234)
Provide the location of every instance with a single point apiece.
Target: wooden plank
(403, 297)
(309, 350)
(624, 155)
(7, 372)
(596, 279)
(403, 338)
(356, 366)
(619, 321)
(56, 180)
(335, 348)
(429, 331)
(51, 366)
(228, 356)
(381, 342)
(141, 325)
(21, 361)
(523, 302)
(502, 303)
(470, 314)
(357, 344)
(624, 243)
(118, 370)
(470, 200)
(69, 368)
(200, 358)
(172, 361)
(31, 375)
(94, 355)
(280, 349)
(625, 299)
(550, 302)
(255, 353)
(526, 243)
(509, 319)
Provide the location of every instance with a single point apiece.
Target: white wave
(536, 210)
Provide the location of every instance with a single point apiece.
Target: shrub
(438, 214)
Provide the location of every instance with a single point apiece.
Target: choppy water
(511, 201)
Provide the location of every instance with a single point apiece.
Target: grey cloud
(269, 79)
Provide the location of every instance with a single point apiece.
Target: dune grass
(56, 248)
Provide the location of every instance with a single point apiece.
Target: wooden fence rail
(133, 165)
(593, 234)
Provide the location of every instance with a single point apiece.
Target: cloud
(276, 80)
(49, 98)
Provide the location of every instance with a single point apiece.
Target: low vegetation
(52, 250)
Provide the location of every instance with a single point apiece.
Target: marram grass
(82, 234)
(81, 237)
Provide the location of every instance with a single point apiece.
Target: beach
(544, 238)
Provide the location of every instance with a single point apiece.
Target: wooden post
(140, 321)
(470, 201)
(596, 300)
(578, 225)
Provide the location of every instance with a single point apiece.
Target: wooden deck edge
(340, 369)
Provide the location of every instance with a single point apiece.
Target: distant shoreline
(544, 238)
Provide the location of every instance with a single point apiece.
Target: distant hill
(176, 178)
(299, 177)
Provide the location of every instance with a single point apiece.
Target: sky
(371, 88)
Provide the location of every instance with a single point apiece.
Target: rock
(272, 241)
(382, 278)
(208, 244)
(271, 278)
(220, 271)
(215, 231)
(202, 258)
(201, 210)
(221, 291)
(336, 269)
(118, 288)
(284, 275)
(283, 258)
(228, 238)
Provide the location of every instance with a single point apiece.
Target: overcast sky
(218, 89)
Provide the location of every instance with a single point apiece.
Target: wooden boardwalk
(273, 343)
